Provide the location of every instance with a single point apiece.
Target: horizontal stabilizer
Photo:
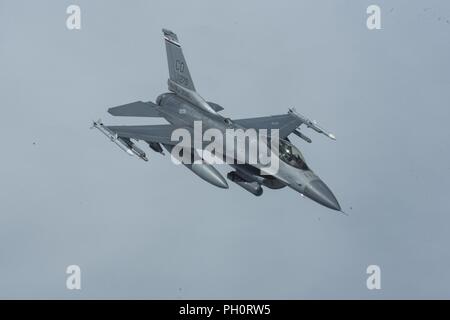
(136, 109)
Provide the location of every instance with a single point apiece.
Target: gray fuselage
(298, 176)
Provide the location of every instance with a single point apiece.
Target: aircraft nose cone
(319, 192)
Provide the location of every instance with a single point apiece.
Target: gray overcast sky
(154, 230)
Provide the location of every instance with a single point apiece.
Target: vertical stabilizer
(178, 69)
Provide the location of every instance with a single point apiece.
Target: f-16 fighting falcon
(182, 107)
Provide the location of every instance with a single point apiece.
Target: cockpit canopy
(291, 155)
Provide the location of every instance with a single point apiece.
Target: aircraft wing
(151, 133)
(136, 109)
(285, 123)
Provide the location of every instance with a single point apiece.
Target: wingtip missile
(312, 124)
(96, 123)
(123, 143)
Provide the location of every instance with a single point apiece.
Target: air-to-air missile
(310, 124)
(123, 143)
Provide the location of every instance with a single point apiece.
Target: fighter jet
(182, 106)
